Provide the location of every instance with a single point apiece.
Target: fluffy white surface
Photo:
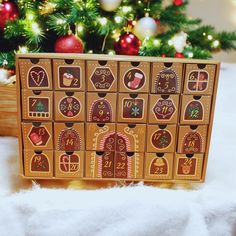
(210, 209)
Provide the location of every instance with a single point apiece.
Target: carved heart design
(37, 77)
(69, 100)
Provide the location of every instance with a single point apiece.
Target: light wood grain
(8, 111)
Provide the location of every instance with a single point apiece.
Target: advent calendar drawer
(199, 79)
(69, 164)
(130, 138)
(69, 106)
(69, 74)
(99, 164)
(132, 108)
(161, 138)
(37, 105)
(128, 165)
(192, 139)
(195, 109)
(166, 78)
(159, 165)
(102, 76)
(38, 164)
(69, 136)
(36, 74)
(134, 77)
(163, 109)
(101, 107)
(37, 136)
(188, 167)
(100, 137)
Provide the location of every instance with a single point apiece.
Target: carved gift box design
(121, 118)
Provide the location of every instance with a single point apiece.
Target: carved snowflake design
(135, 111)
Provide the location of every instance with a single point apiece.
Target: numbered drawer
(36, 74)
(199, 79)
(37, 136)
(69, 106)
(163, 109)
(102, 76)
(101, 107)
(99, 164)
(100, 137)
(130, 138)
(128, 165)
(166, 78)
(69, 164)
(38, 163)
(188, 167)
(161, 138)
(132, 108)
(69, 74)
(134, 77)
(37, 105)
(195, 109)
(192, 139)
(69, 136)
(159, 165)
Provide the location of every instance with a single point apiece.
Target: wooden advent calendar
(115, 117)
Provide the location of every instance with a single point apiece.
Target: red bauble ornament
(179, 55)
(128, 44)
(178, 2)
(69, 44)
(8, 11)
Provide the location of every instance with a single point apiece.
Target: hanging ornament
(178, 2)
(69, 44)
(179, 55)
(127, 44)
(109, 5)
(145, 27)
(180, 41)
(8, 11)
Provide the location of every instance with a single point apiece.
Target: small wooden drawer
(166, 78)
(100, 137)
(101, 107)
(192, 139)
(159, 165)
(69, 136)
(163, 109)
(69, 164)
(132, 108)
(69, 106)
(199, 79)
(102, 76)
(99, 164)
(130, 138)
(134, 77)
(69, 74)
(188, 167)
(161, 138)
(195, 109)
(37, 136)
(37, 105)
(38, 164)
(128, 165)
(36, 74)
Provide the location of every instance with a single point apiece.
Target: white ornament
(4, 76)
(110, 5)
(180, 41)
(145, 27)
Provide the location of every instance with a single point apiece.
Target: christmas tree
(148, 28)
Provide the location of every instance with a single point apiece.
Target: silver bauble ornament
(110, 5)
(145, 27)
